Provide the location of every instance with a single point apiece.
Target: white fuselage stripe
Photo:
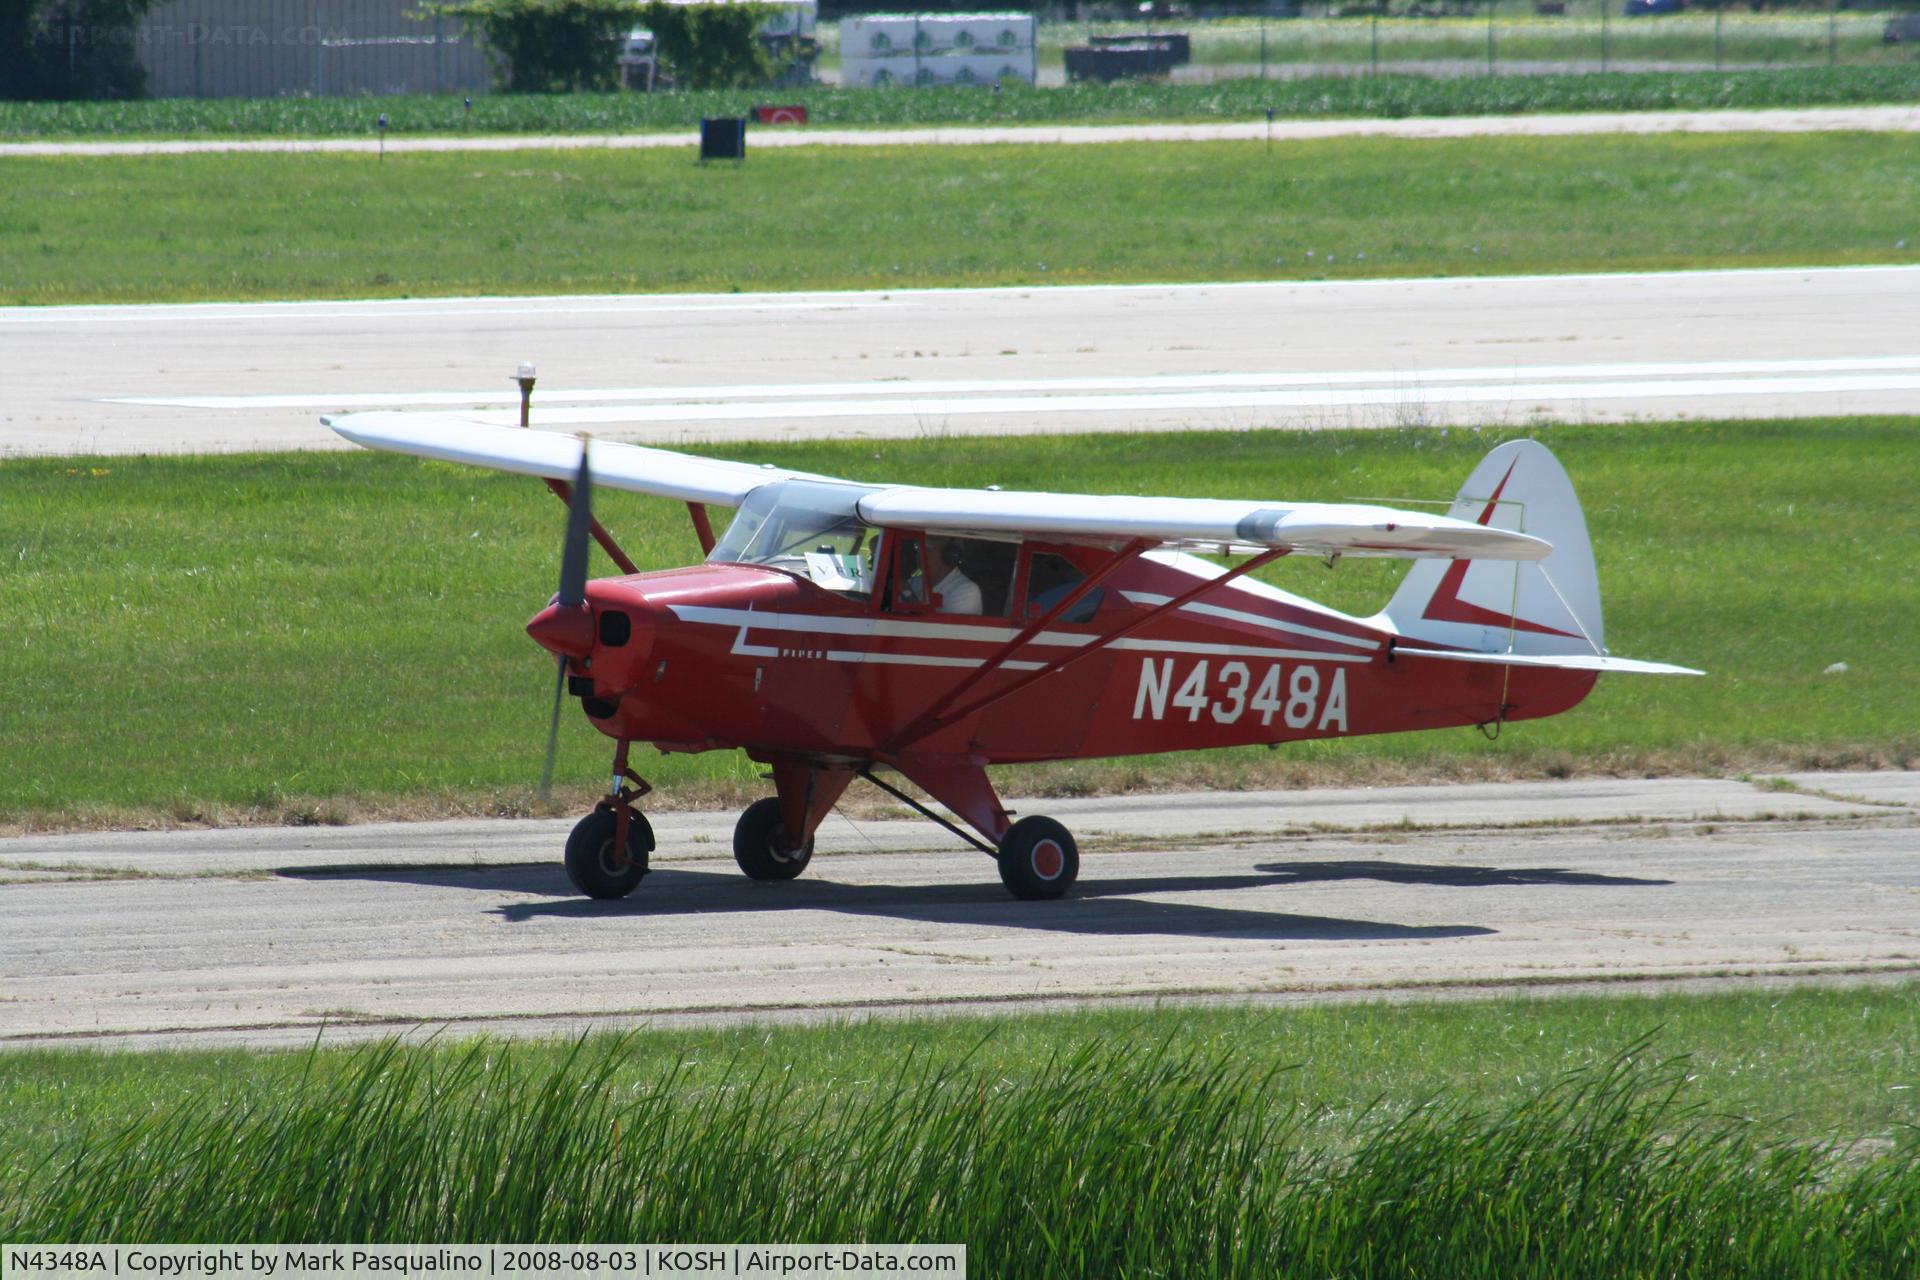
(1254, 620)
(753, 620)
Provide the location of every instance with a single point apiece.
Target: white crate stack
(936, 48)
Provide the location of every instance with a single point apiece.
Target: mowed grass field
(1745, 1134)
(317, 637)
(143, 229)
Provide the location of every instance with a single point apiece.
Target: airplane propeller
(564, 621)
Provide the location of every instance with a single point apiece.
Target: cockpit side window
(943, 574)
(1050, 579)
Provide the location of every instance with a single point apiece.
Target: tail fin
(1544, 607)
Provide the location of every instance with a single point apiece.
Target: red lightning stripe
(1447, 606)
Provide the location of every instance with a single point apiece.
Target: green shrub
(711, 46)
(552, 46)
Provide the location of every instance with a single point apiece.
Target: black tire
(759, 844)
(1038, 859)
(595, 867)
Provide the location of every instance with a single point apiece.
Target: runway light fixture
(524, 376)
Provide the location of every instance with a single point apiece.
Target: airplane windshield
(805, 527)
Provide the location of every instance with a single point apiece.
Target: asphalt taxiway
(274, 936)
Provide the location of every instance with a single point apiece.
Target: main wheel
(1038, 859)
(761, 846)
(599, 870)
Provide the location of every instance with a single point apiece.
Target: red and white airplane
(839, 630)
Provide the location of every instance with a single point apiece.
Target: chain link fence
(1451, 38)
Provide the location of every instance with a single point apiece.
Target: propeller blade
(573, 553)
(553, 731)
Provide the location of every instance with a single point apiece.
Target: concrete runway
(265, 937)
(1883, 119)
(674, 368)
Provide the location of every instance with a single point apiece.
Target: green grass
(1245, 99)
(309, 636)
(1670, 1137)
(275, 226)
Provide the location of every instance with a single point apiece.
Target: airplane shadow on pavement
(1097, 905)
(1456, 877)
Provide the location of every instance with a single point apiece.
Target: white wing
(1321, 528)
(1201, 523)
(450, 437)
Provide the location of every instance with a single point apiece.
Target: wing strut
(928, 723)
(564, 492)
(702, 527)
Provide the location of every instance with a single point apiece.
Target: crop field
(232, 635)
(198, 227)
(1241, 98)
(1732, 1135)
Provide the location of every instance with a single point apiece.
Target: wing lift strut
(961, 784)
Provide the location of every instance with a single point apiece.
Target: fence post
(1374, 42)
(1263, 44)
(319, 51)
(1719, 12)
(1833, 31)
(1605, 5)
(1490, 9)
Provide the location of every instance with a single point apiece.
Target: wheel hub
(1049, 860)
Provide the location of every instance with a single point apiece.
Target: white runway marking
(1409, 393)
(1879, 119)
(1401, 379)
(254, 313)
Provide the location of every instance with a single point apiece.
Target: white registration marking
(1305, 706)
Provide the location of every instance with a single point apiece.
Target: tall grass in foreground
(1118, 1160)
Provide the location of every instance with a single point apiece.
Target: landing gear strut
(1038, 857)
(774, 838)
(607, 850)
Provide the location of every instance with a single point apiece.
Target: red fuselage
(726, 655)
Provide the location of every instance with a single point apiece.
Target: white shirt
(958, 593)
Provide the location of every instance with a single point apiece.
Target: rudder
(1544, 607)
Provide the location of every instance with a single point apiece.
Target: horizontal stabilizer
(1559, 662)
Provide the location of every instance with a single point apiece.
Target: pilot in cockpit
(956, 592)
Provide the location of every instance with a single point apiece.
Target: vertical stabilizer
(1551, 606)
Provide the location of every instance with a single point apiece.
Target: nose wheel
(607, 850)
